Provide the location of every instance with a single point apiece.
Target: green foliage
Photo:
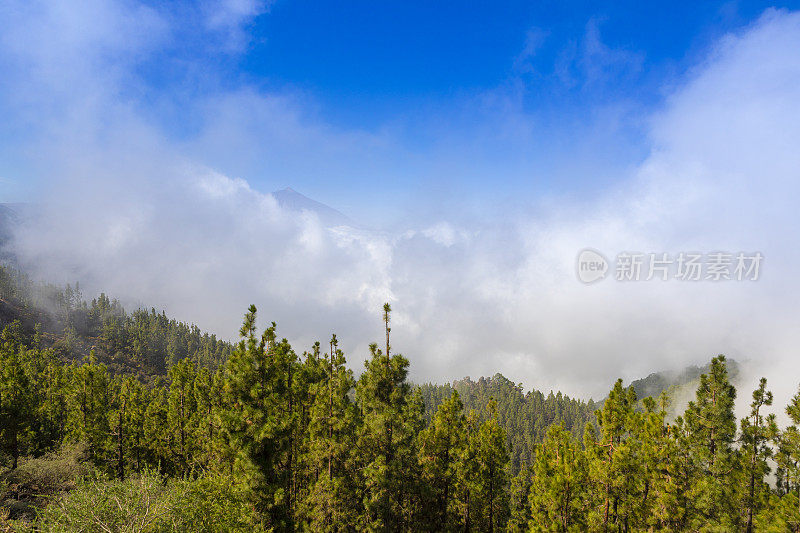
(37, 480)
(441, 446)
(483, 476)
(258, 426)
(144, 342)
(215, 503)
(788, 468)
(519, 505)
(147, 504)
(16, 400)
(141, 504)
(756, 434)
(711, 426)
(53, 472)
(392, 418)
(181, 409)
(332, 500)
(558, 493)
(524, 416)
(261, 440)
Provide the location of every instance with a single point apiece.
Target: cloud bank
(138, 205)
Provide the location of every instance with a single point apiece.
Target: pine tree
(311, 455)
(258, 423)
(788, 460)
(519, 502)
(159, 440)
(308, 375)
(119, 422)
(611, 467)
(664, 468)
(711, 428)
(181, 411)
(757, 432)
(483, 476)
(52, 381)
(440, 446)
(392, 416)
(208, 403)
(557, 496)
(88, 406)
(332, 503)
(16, 402)
(136, 409)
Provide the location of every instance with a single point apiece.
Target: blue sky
(475, 104)
(478, 146)
(367, 61)
(481, 103)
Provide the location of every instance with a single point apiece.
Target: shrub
(53, 472)
(37, 480)
(149, 504)
(215, 503)
(98, 504)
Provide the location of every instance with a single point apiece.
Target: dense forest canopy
(132, 421)
(525, 417)
(143, 342)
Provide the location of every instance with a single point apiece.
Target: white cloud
(168, 223)
(230, 17)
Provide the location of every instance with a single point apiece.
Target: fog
(140, 205)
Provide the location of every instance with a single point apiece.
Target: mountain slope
(142, 342)
(9, 217)
(657, 382)
(288, 198)
(524, 416)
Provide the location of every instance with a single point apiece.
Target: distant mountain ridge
(14, 214)
(680, 386)
(525, 416)
(658, 382)
(290, 199)
(9, 218)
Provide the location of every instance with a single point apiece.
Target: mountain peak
(289, 198)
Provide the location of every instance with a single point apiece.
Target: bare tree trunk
(14, 445)
(120, 443)
(491, 500)
(330, 408)
(183, 435)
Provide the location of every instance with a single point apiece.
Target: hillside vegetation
(143, 342)
(134, 422)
